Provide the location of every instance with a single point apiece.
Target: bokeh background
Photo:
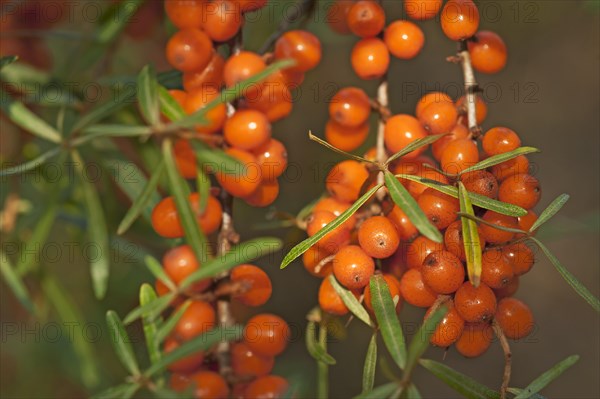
(549, 93)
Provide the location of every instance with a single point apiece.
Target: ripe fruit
(222, 20)
(247, 129)
(481, 182)
(209, 384)
(443, 272)
(242, 66)
(189, 50)
(337, 16)
(247, 364)
(439, 118)
(333, 240)
(352, 267)
(422, 9)
(185, 159)
(494, 235)
(515, 318)
(488, 52)
(459, 155)
(419, 249)
(313, 257)
(198, 318)
(499, 140)
(449, 329)
(166, 222)
(459, 19)
(272, 97)
(185, 14)
(527, 221)
(350, 107)
(250, 5)
(269, 386)
(520, 257)
(416, 189)
(300, 45)
(400, 131)
(330, 301)
(266, 334)
(200, 98)
(475, 340)
(378, 237)
(366, 18)
(179, 263)
(370, 58)
(345, 180)
(521, 189)
(186, 364)
(211, 76)
(406, 230)
(439, 208)
(404, 39)
(475, 304)
(414, 290)
(511, 167)
(508, 290)
(336, 207)
(245, 179)
(265, 194)
(346, 138)
(256, 285)
(496, 271)
(272, 159)
(431, 98)
(453, 240)
(393, 286)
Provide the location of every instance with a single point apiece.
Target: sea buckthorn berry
(330, 204)
(371, 154)
(350, 107)
(337, 16)
(269, 386)
(352, 267)
(265, 194)
(416, 189)
(404, 39)
(346, 138)
(520, 257)
(247, 364)
(414, 290)
(522, 190)
(515, 318)
(346, 179)
(494, 235)
(439, 208)
(481, 182)
(185, 14)
(496, 270)
(272, 158)
(312, 261)
(330, 301)
(200, 98)
(488, 52)
(459, 19)
(185, 159)
(247, 129)
(166, 222)
(475, 340)
(509, 289)
(459, 155)
(266, 334)
(245, 179)
(209, 385)
(422, 9)
(256, 285)
(370, 58)
(250, 5)
(189, 50)
(499, 140)
(453, 240)
(301, 46)
(475, 304)
(333, 240)
(272, 97)
(222, 20)
(211, 75)
(198, 318)
(439, 118)
(406, 229)
(412, 166)
(434, 97)
(179, 263)
(396, 264)
(481, 109)
(378, 237)
(400, 131)
(449, 329)
(443, 272)
(186, 364)
(511, 167)
(393, 286)
(179, 382)
(366, 18)
(418, 250)
(242, 66)
(527, 221)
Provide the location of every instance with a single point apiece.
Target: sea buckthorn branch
(507, 358)
(471, 87)
(383, 102)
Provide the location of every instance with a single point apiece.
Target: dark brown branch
(507, 358)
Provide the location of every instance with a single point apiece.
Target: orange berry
(509, 289)
(352, 267)
(222, 20)
(330, 301)
(459, 19)
(511, 167)
(393, 286)
(185, 159)
(439, 117)
(272, 97)
(481, 182)
(247, 129)
(313, 257)
(481, 109)
(520, 257)
(333, 240)
(189, 50)
(350, 107)
(209, 385)
(496, 270)
(459, 131)
(301, 46)
(345, 180)
(400, 131)
(453, 239)
(439, 208)
(256, 285)
(250, 5)
(366, 18)
(515, 318)
(414, 290)
(499, 140)
(434, 97)
(185, 14)
(416, 189)
(443, 272)
(378, 237)
(422, 9)
(243, 181)
(337, 16)
(266, 334)
(449, 329)
(406, 230)
(522, 190)
(166, 222)
(242, 66)
(179, 382)
(179, 263)
(330, 204)
(268, 386)
(200, 98)
(247, 364)
(198, 318)
(475, 340)
(265, 194)
(186, 364)
(211, 75)
(346, 138)
(272, 158)
(475, 304)
(494, 235)
(419, 249)
(404, 39)
(370, 58)
(459, 155)
(527, 221)
(488, 52)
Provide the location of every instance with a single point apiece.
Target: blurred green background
(549, 93)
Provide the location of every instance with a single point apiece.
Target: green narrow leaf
(216, 159)
(147, 295)
(496, 226)
(323, 368)
(382, 391)
(147, 95)
(97, 231)
(335, 149)
(123, 391)
(111, 130)
(546, 378)
(143, 199)
(203, 187)
(385, 312)
(550, 211)
(351, 302)
(568, 277)
(407, 203)
(153, 309)
(517, 391)
(105, 110)
(313, 347)
(498, 159)
(245, 252)
(169, 106)
(477, 199)
(13, 280)
(157, 271)
(29, 165)
(470, 235)
(461, 383)
(411, 392)
(121, 342)
(370, 365)
(7, 60)
(422, 142)
(309, 242)
(171, 322)
(21, 116)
